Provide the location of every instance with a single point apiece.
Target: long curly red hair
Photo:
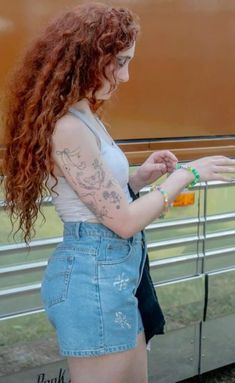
(65, 63)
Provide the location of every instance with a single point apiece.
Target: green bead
(193, 171)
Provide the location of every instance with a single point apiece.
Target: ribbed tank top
(67, 203)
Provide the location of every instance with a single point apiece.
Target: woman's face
(121, 73)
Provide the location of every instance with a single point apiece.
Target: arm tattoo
(113, 197)
(101, 213)
(91, 183)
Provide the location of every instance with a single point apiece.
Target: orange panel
(184, 199)
(182, 80)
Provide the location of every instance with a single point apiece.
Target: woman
(57, 141)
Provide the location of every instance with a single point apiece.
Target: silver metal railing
(48, 244)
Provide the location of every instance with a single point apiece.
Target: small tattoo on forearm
(113, 197)
(109, 184)
(101, 213)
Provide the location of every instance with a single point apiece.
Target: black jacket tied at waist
(149, 307)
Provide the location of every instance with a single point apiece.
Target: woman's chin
(104, 97)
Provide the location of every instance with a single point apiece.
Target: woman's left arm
(156, 165)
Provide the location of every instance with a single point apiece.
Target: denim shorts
(89, 287)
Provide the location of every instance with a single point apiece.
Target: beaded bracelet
(165, 198)
(193, 171)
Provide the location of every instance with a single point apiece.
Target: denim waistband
(75, 230)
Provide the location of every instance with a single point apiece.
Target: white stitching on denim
(121, 320)
(121, 282)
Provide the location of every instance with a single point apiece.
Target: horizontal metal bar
(19, 290)
(219, 217)
(220, 234)
(221, 272)
(46, 201)
(21, 314)
(202, 185)
(212, 253)
(172, 242)
(190, 221)
(212, 184)
(24, 267)
(176, 223)
(183, 240)
(175, 260)
(34, 244)
(178, 280)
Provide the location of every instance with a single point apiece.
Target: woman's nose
(123, 75)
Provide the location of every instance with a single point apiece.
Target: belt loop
(77, 230)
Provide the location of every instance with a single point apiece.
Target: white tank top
(67, 203)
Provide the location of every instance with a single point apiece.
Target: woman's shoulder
(69, 127)
(68, 123)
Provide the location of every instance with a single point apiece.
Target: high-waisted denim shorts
(89, 289)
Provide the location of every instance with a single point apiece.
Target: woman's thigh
(122, 367)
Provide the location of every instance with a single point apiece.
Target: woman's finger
(224, 169)
(171, 162)
(224, 161)
(171, 156)
(161, 167)
(156, 167)
(170, 169)
(164, 155)
(224, 178)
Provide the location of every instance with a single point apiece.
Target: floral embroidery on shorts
(121, 282)
(121, 320)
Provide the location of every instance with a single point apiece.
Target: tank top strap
(86, 121)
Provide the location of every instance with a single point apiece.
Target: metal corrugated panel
(192, 265)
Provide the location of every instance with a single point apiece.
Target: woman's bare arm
(76, 153)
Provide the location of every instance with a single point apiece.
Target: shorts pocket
(56, 279)
(114, 251)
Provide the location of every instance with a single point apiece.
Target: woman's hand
(156, 165)
(213, 168)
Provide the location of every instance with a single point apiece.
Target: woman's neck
(84, 107)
